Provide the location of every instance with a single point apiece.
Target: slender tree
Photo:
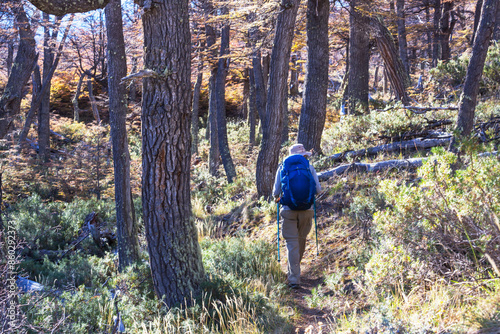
(220, 89)
(402, 42)
(126, 226)
(468, 98)
(267, 162)
(313, 113)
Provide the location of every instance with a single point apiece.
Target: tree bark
(477, 17)
(294, 77)
(313, 113)
(467, 104)
(10, 56)
(220, 89)
(127, 231)
(403, 45)
(359, 54)
(396, 72)
(267, 161)
(10, 101)
(93, 102)
(175, 255)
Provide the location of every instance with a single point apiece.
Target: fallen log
(415, 144)
(371, 167)
(380, 166)
(423, 110)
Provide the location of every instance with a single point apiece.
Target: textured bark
(396, 72)
(260, 88)
(468, 99)
(403, 45)
(267, 162)
(175, 255)
(62, 7)
(10, 56)
(10, 101)
(313, 113)
(359, 54)
(220, 89)
(127, 232)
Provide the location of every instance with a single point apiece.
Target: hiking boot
(294, 286)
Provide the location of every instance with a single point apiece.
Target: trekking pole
(316, 228)
(278, 208)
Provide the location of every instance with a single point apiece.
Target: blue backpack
(297, 183)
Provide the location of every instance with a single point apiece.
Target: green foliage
(53, 225)
(446, 224)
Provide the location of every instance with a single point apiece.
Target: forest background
(115, 194)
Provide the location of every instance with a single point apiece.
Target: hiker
(296, 217)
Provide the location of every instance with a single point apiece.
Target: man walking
(295, 185)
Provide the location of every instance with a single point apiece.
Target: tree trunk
(477, 17)
(359, 54)
(252, 109)
(246, 94)
(397, 74)
(313, 113)
(403, 45)
(10, 101)
(93, 102)
(212, 129)
(467, 104)
(127, 231)
(436, 42)
(294, 77)
(195, 123)
(132, 95)
(10, 56)
(44, 111)
(76, 109)
(175, 255)
(267, 162)
(260, 87)
(220, 88)
(446, 25)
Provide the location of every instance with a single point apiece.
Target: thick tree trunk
(127, 232)
(467, 104)
(359, 54)
(403, 45)
(10, 101)
(276, 107)
(175, 255)
(10, 56)
(220, 88)
(313, 113)
(477, 17)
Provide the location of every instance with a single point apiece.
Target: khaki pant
(296, 227)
